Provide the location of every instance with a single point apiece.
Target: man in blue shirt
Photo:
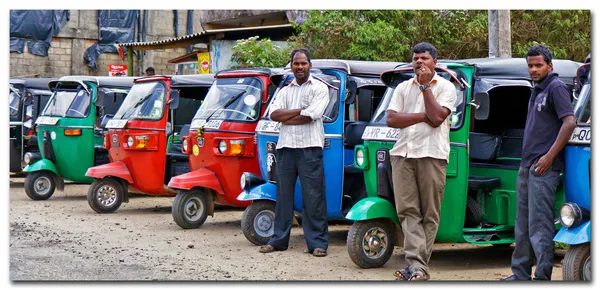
(550, 123)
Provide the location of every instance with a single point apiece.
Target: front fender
(42, 164)
(264, 191)
(372, 208)
(574, 236)
(201, 177)
(117, 169)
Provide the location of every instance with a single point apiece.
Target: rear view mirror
(351, 88)
(481, 105)
(100, 95)
(276, 79)
(174, 101)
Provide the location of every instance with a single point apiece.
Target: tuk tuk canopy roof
(200, 80)
(354, 67)
(101, 81)
(266, 71)
(33, 83)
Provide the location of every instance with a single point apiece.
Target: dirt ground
(64, 239)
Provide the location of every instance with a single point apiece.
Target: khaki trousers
(418, 191)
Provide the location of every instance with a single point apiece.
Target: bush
(253, 52)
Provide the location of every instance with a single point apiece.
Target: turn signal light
(142, 142)
(237, 147)
(72, 132)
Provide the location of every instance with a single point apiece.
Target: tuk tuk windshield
(583, 107)
(14, 103)
(380, 116)
(73, 103)
(144, 101)
(232, 99)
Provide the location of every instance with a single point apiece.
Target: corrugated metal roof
(184, 40)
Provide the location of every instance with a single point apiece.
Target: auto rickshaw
(354, 91)
(143, 153)
(575, 213)
(486, 136)
(28, 96)
(69, 132)
(220, 144)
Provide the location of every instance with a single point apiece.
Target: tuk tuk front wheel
(190, 209)
(370, 243)
(577, 263)
(40, 185)
(258, 222)
(105, 195)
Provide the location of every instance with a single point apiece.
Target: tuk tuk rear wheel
(258, 222)
(190, 209)
(40, 185)
(105, 195)
(370, 243)
(577, 263)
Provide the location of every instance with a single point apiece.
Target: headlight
(130, 141)
(360, 157)
(572, 214)
(243, 181)
(27, 158)
(30, 158)
(185, 145)
(222, 147)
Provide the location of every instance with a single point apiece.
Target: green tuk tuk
(486, 136)
(70, 135)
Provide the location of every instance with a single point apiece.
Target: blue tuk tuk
(355, 90)
(575, 212)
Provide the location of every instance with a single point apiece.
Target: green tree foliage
(253, 52)
(388, 35)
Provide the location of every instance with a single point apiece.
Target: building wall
(65, 56)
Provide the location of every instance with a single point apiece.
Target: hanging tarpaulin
(35, 28)
(114, 26)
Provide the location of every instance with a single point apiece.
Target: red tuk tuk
(221, 144)
(143, 150)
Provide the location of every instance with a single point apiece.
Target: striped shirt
(313, 97)
(421, 140)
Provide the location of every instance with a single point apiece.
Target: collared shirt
(549, 102)
(313, 96)
(421, 140)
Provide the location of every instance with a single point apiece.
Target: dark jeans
(534, 226)
(306, 163)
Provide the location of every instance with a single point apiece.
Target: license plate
(116, 124)
(268, 126)
(212, 124)
(581, 135)
(381, 133)
(45, 120)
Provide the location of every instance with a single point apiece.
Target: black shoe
(512, 278)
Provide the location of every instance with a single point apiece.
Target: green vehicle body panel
(74, 154)
(500, 204)
(42, 164)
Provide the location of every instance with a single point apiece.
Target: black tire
(258, 222)
(474, 214)
(577, 263)
(382, 246)
(190, 209)
(40, 185)
(105, 195)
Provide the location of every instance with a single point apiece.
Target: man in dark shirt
(550, 122)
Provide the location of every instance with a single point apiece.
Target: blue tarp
(35, 28)
(114, 26)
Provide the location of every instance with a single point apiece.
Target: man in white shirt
(420, 107)
(300, 107)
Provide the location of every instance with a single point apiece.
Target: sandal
(267, 249)
(403, 274)
(419, 276)
(318, 252)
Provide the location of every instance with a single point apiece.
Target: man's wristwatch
(424, 87)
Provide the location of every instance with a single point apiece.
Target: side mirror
(481, 105)
(174, 101)
(351, 89)
(105, 120)
(100, 95)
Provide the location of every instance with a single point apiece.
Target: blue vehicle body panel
(575, 235)
(264, 191)
(577, 175)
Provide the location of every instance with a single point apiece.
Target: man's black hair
(150, 69)
(301, 50)
(538, 50)
(424, 47)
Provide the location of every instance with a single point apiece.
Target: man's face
(423, 59)
(538, 68)
(301, 67)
